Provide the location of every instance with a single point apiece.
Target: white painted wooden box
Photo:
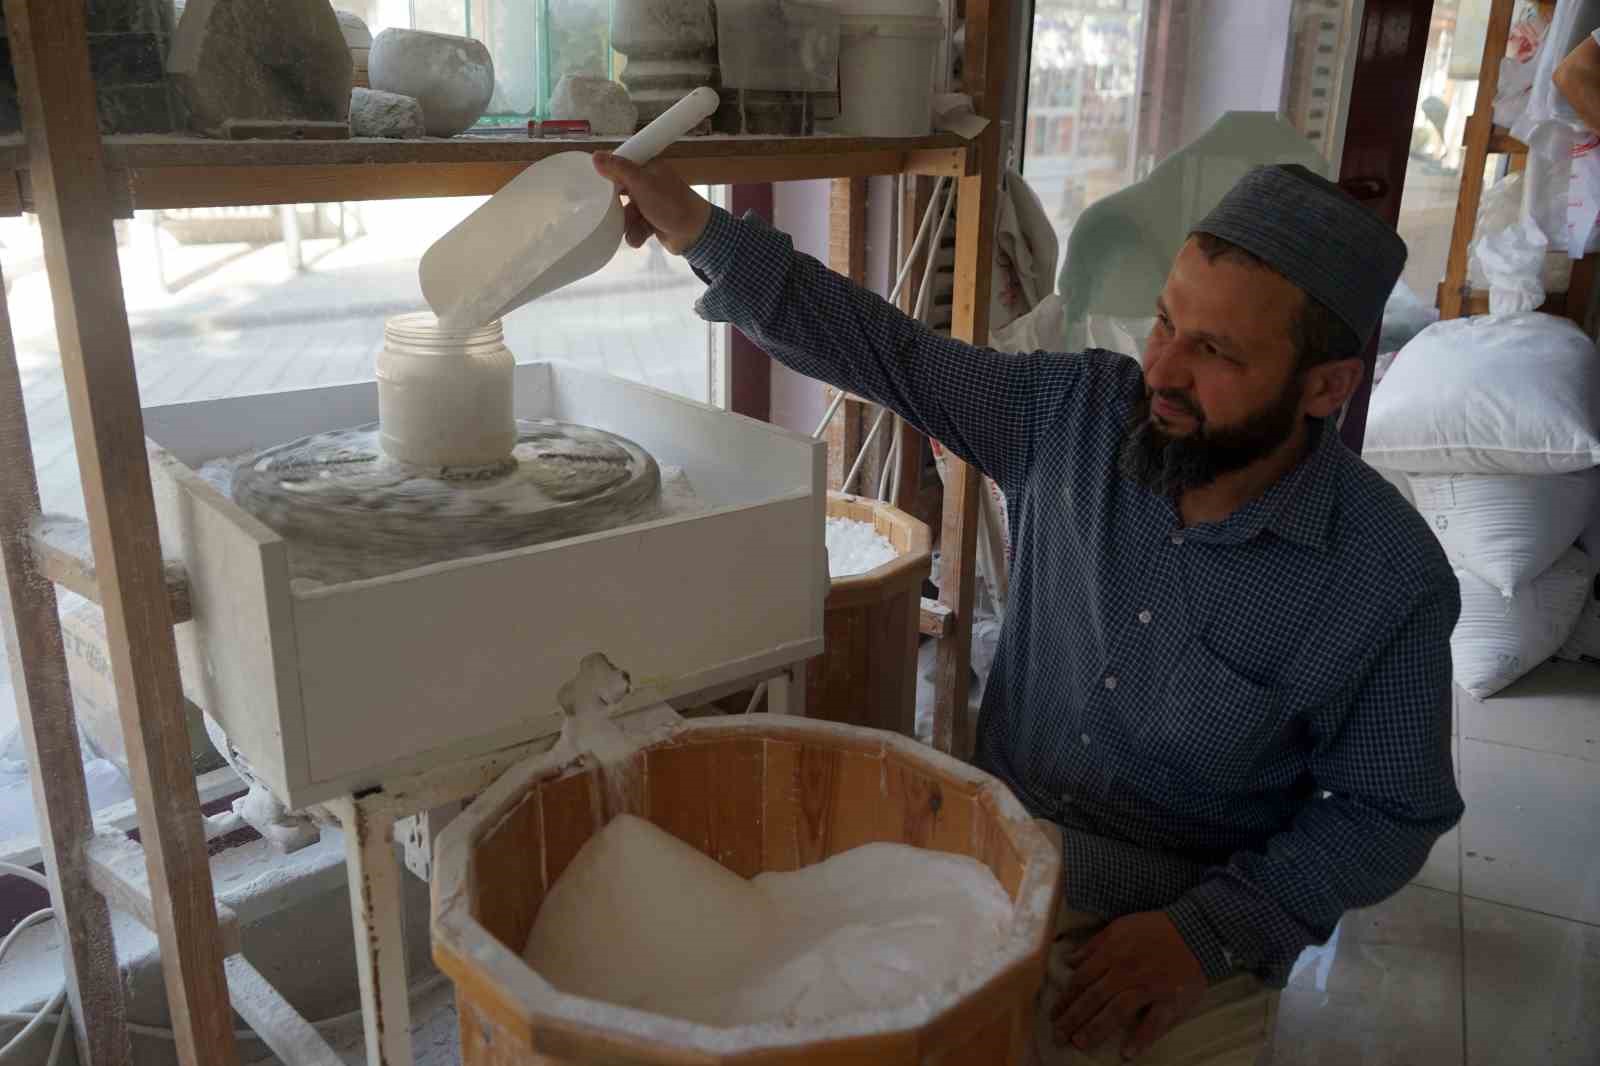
(331, 690)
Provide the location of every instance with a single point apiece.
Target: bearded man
(1225, 664)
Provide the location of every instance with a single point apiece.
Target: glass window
(1115, 86)
(1445, 100)
(533, 43)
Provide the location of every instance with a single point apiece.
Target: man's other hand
(659, 202)
(1135, 977)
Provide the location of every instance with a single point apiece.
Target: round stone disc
(348, 511)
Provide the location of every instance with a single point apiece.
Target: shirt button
(1144, 617)
(1111, 682)
(1085, 739)
(1177, 538)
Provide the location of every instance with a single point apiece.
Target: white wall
(800, 209)
(1237, 60)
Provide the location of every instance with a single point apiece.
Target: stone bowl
(451, 77)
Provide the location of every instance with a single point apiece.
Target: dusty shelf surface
(161, 171)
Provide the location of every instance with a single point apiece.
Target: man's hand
(1135, 970)
(659, 203)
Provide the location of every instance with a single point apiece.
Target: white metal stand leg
(797, 689)
(786, 692)
(375, 908)
(778, 694)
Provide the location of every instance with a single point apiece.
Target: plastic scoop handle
(673, 123)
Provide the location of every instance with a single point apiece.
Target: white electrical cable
(755, 697)
(887, 489)
(894, 292)
(12, 1047)
(861, 456)
(833, 409)
(889, 460)
(916, 245)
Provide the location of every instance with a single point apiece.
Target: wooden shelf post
(50, 737)
(49, 48)
(977, 201)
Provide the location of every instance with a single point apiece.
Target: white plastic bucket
(888, 51)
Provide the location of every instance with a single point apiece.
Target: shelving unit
(80, 182)
(1482, 138)
(167, 172)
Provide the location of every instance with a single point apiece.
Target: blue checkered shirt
(1244, 723)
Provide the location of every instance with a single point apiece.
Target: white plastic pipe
(894, 291)
(673, 123)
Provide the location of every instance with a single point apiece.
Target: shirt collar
(1297, 507)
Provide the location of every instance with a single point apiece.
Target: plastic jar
(888, 55)
(445, 395)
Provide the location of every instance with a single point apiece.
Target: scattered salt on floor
(642, 919)
(855, 547)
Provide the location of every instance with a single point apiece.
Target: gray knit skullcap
(1316, 235)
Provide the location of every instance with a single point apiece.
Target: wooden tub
(867, 672)
(756, 793)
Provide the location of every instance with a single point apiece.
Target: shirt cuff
(1201, 937)
(712, 253)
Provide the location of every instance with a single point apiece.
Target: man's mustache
(1179, 399)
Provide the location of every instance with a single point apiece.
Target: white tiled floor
(1531, 834)
(1492, 956)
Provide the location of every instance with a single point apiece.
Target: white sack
(1491, 394)
(1503, 528)
(1584, 644)
(1497, 640)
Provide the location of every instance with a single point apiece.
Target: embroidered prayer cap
(1316, 235)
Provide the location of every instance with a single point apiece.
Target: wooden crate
(330, 690)
(867, 673)
(756, 793)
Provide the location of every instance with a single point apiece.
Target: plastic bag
(1038, 330)
(1574, 20)
(1502, 205)
(1563, 188)
(1517, 69)
(1512, 259)
(1405, 315)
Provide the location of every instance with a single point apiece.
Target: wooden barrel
(867, 672)
(756, 793)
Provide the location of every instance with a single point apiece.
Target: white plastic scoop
(554, 223)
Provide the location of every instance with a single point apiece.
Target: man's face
(1221, 388)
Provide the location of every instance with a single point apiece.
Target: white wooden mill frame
(79, 182)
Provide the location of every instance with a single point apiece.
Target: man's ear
(1328, 385)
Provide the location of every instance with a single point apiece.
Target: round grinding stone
(349, 512)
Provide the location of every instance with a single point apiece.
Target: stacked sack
(1492, 425)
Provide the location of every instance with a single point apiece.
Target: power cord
(12, 1047)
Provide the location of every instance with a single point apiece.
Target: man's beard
(1169, 465)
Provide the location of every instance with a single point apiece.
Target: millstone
(349, 512)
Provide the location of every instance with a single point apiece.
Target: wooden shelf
(1500, 141)
(167, 172)
(1476, 302)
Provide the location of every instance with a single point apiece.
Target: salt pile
(855, 547)
(641, 919)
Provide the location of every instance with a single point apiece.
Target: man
(1577, 77)
(1225, 666)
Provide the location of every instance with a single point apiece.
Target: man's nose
(1167, 367)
